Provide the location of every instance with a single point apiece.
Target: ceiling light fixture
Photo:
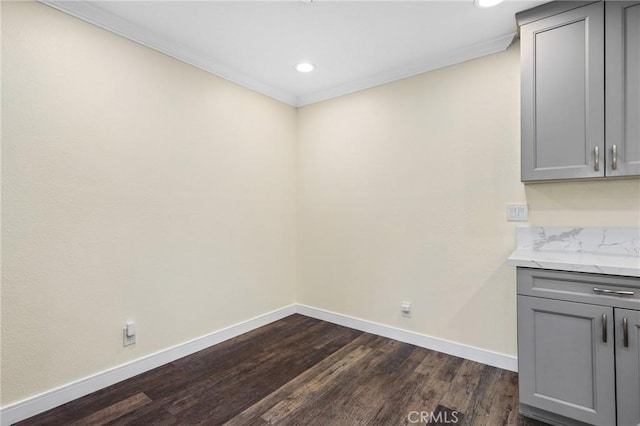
(304, 67)
(486, 3)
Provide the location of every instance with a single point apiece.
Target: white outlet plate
(405, 308)
(517, 213)
(128, 339)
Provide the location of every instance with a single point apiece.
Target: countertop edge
(628, 266)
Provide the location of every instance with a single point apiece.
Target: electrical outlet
(405, 308)
(129, 334)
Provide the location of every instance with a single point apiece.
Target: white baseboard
(45, 401)
(495, 359)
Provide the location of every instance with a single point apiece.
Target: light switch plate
(517, 213)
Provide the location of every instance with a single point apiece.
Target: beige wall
(402, 191)
(135, 187)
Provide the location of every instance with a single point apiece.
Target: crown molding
(99, 17)
(95, 15)
(431, 63)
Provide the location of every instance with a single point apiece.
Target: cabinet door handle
(604, 328)
(614, 292)
(596, 154)
(625, 332)
(614, 155)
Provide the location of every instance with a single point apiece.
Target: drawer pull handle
(625, 332)
(614, 292)
(614, 154)
(604, 328)
(596, 155)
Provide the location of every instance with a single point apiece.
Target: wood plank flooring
(302, 371)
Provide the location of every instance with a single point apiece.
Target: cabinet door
(628, 366)
(623, 88)
(566, 359)
(562, 59)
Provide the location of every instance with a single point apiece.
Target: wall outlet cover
(129, 334)
(405, 308)
(517, 213)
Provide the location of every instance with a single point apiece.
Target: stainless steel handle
(596, 154)
(625, 332)
(604, 328)
(614, 292)
(614, 154)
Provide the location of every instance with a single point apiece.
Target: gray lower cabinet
(579, 347)
(566, 359)
(628, 366)
(567, 49)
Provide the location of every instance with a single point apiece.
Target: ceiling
(353, 44)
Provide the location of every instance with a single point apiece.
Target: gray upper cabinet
(562, 60)
(623, 88)
(565, 134)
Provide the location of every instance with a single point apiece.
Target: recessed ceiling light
(305, 67)
(486, 3)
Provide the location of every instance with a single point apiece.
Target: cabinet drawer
(606, 290)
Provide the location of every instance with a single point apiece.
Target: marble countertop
(611, 251)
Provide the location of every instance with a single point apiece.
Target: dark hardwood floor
(302, 371)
